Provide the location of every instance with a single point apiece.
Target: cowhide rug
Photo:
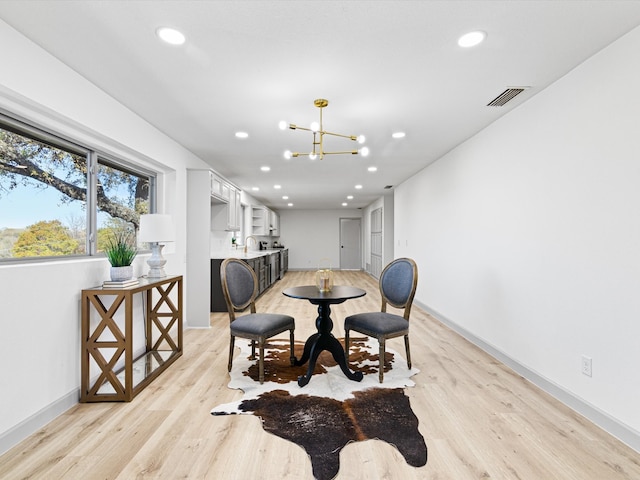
(331, 410)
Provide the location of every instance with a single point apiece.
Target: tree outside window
(44, 197)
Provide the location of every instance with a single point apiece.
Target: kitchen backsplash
(221, 242)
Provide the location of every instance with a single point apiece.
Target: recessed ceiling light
(265, 168)
(344, 204)
(471, 39)
(285, 197)
(289, 204)
(349, 197)
(170, 35)
(372, 169)
(398, 134)
(277, 187)
(358, 187)
(255, 189)
(242, 134)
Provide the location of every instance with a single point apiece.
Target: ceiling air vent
(506, 96)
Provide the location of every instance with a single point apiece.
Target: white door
(350, 244)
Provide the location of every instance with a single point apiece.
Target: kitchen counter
(239, 253)
(270, 265)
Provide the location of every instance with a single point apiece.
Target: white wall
(40, 321)
(311, 235)
(527, 236)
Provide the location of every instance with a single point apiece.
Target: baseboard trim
(35, 422)
(622, 432)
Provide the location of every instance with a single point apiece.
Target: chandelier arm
(297, 127)
(302, 154)
(350, 137)
(352, 152)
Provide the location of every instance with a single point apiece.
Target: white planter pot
(119, 274)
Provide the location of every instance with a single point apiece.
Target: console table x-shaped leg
(163, 332)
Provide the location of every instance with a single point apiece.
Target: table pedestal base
(324, 340)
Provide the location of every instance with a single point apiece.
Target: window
(60, 199)
(122, 195)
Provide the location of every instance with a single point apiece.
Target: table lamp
(154, 229)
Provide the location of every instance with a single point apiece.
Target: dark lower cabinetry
(274, 266)
(266, 271)
(217, 299)
(284, 262)
(260, 268)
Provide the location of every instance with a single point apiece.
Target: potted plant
(120, 252)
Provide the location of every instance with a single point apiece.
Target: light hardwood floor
(479, 419)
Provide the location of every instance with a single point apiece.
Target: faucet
(246, 242)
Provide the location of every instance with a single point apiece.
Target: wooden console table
(106, 344)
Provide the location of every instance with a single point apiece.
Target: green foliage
(111, 228)
(104, 237)
(45, 239)
(121, 249)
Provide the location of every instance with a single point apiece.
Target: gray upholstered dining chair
(240, 289)
(398, 283)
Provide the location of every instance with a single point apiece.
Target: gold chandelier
(318, 137)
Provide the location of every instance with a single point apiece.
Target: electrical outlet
(586, 365)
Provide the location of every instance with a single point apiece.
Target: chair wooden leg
(261, 362)
(231, 345)
(292, 357)
(253, 350)
(381, 351)
(406, 347)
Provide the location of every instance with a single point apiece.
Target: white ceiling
(384, 66)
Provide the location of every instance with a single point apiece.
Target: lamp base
(156, 262)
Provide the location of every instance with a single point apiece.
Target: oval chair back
(239, 285)
(240, 289)
(398, 283)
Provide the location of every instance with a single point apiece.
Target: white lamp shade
(156, 227)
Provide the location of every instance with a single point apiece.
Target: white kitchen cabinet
(234, 213)
(227, 216)
(274, 223)
(265, 221)
(259, 220)
(220, 189)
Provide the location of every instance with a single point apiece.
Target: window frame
(94, 157)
